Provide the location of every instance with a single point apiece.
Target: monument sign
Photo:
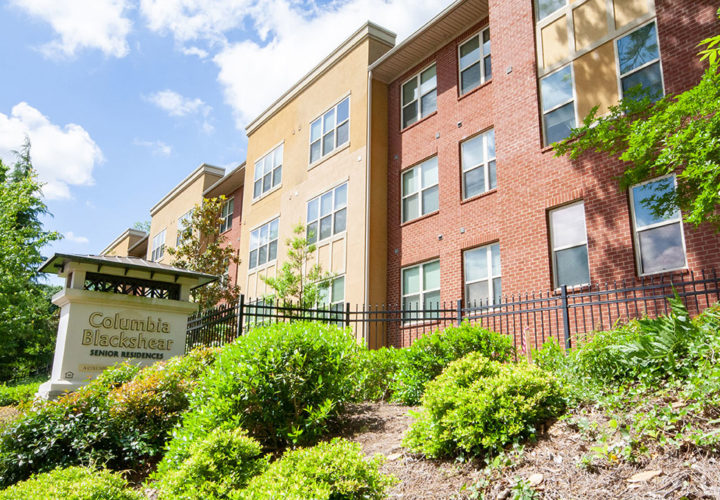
(114, 309)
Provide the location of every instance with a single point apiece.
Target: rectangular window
(568, 238)
(182, 224)
(226, 215)
(263, 244)
(420, 192)
(419, 96)
(421, 290)
(333, 298)
(483, 277)
(639, 60)
(659, 240)
(330, 131)
(268, 172)
(477, 156)
(546, 7)
(474, 61)
(558, 104)
(158, 247)
(327, 214)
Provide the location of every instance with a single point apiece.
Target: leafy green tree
(27, 319)
(299, 282)
(142, 226)
(677, 134)
(202, 247)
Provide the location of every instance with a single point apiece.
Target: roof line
(191, 177)
(128, 232)
(225, 178)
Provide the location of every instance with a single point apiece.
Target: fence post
(347, 314)
(240, 314)
(566, 315)
(459, 312)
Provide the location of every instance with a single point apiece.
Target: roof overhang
(126, 234)
(203, 169)
(458, 17)
(228, 184)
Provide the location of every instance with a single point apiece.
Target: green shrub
(477, 404)
(73, 483)
(550, 356)
(23, 391)
(283, 384)
(375, 372)
(221, 463)
(430, 354)
(335, 470)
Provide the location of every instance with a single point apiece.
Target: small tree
(203, 248)
(299, 282)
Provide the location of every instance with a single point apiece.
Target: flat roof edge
(189, 179)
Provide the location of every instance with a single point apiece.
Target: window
(659, 240)
(158, 247)
(478, 164)
(268, 172)
(420, 190)
(263, 244)
(558, 104)
(330, 131)
(568, 238)
(421, 290)
(182, 224)
(639, 59)
(483, 282)
(547, 7)
(475, 67)
(333, 298)
(227, 214)
(419, 96)
(327, 214)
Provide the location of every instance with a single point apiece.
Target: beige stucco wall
(596, 80)
(590, 23)
(123, 244)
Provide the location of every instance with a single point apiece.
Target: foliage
(121, 420)
(73, 483)
(677, 134)
(430, 354)
(299, 282)
(223, 462)
(477, 404)
(375, 372)
(283, 383)
(20, 392)
(27, 328)
(142, 225)
(712, 48)
(550, 356)
(205, 249)
(326, 471)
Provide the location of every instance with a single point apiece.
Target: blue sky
(121, 99)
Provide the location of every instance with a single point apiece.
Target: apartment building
(478, 206)
(131, 243)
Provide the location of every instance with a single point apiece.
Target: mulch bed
(8, 413)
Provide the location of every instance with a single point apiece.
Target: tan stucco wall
(628, 10)
(555, 41)
(596, 80)
(590, 22)
(121, 249)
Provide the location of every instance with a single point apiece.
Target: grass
(19, 392)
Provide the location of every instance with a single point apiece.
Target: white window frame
(273, 169)
(637, 230)
(620, 75)
(324, 132)
(554, 249)
(407, 316)
(420, 190)
(558, 106)
(419, 98)
(490, 276)
(481, 61)
(158, 250)
(260, 245)
(228, 210)
(334, 210)
(180, 225)
(485, 165)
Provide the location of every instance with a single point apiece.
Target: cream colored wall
(596, 80)
(344, 253)
(121, 249)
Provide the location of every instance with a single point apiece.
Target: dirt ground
(8, 413)
(551, 465)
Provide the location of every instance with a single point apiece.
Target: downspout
(368, 147)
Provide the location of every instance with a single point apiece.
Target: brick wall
(232, 236)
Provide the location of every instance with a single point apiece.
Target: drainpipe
(367, 200)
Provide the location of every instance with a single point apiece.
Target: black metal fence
(567, 315)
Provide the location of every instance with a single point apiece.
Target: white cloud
(195, 51)
(70, 236)
(63, 157)
(177, 105)
(82, 24)
(158, 147)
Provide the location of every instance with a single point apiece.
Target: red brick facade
(232, 235)
(530, 180)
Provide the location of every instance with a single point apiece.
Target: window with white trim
(558, 104)
(419, 96)
(263, 244)
(483, 276)
(330, 131)
(659, 239)
(568, 238)
(474, 61)
(639, 60)
(420, 192)
(227, 214)
(544, 8)
(158, 246)
(420, 290)
(268, 172)
(332, 299)
(477, 156)
(327, 214)
(182, 224)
